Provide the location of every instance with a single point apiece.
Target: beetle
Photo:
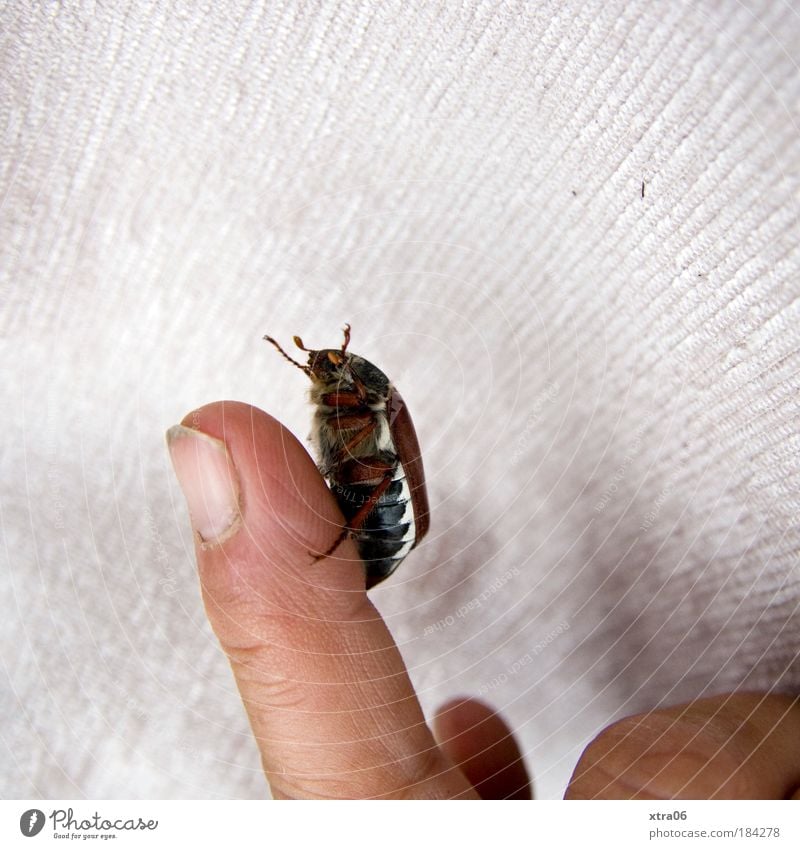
(369, 455)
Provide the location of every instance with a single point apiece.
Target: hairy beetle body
(369, 455)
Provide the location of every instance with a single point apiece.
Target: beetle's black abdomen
(387, 534)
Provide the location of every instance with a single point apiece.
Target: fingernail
(209, 483)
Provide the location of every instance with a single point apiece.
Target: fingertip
(463, 712)
(480, 742)
(733, 746)
(288, 514)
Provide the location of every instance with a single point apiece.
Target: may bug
(369, 455)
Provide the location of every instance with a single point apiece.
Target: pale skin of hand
(329, 700)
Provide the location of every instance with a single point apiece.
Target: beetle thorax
(351, 398)
(329, 377)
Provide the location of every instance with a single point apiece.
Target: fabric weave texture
(568, 231)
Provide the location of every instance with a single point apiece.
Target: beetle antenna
(346, 337)
(302, 368)
(299, 342)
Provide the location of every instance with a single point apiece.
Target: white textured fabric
(568, 231)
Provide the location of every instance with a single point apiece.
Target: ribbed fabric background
(569, 233)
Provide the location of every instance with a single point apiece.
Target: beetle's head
(334, 369)
(325, 366)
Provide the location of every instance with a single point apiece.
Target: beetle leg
(336, 543)
(341, 359)
(355, 440)
(341, 399)
(357, 382)
(361, 515)
(348, 447)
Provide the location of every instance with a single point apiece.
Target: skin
(329, 700)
